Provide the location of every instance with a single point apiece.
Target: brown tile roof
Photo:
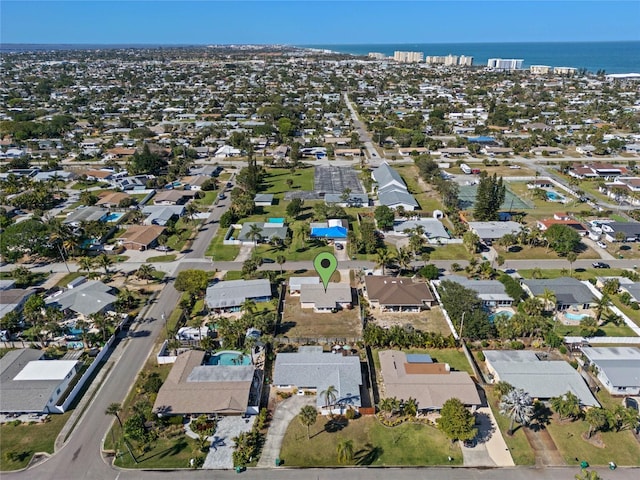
(397, 291)
(121, 152)
(182, 394)
(431, 390)
(142, 235)
(111, 198)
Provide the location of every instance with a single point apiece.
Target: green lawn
(373, 444)
(276, 178)
(174, 452)
(69, 277)
(184, 231)
(517, 443)
(580, 274)
(621, 447)
(25, 440)
(220, 252)
(298, 251)
(454, 251)
(634, 315)
(525, 253)
(606, 330)
(162, 258)
(429, 199)
(208, 199)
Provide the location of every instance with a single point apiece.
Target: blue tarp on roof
(481, 139)
(329, 232)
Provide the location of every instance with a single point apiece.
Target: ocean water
(613, 57)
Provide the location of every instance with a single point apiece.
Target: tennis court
(467, 197)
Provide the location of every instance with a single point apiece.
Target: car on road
(602, 245)
(221, 196)
(600, 265)
(339, 246)
(268, 260)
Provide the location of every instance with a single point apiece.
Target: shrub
(574, 364)
(563, 350)
(516, 345)
(481, 356)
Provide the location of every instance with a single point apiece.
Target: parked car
(268, 260)
(602, 245)
(600, 265)
(221, 196)
(339, 246)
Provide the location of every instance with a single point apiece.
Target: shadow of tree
(334, 425)
(541, 417)
(368, 455)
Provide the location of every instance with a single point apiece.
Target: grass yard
(428, 199)
(373, 444)
(174, 452)
(454, 251)
(69, 277)
(162, 258)
(305, 323)
(606, 330)
(208, 199)
(276, 180)
(542, 208)
(24, 440)
(220, 252)
(297, 252)
(184, 231)
(525, 253)
(619, 447)
(634, 315)
(579, 273)
(517, 443)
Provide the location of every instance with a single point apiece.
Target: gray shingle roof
(621, 365)
(312, 369)
(433, 228)
(569, 291)
(335, 293)
(87, 298)
(233, 293)
(384, 175)
(396, 197)
(486, 289)
(494, 230)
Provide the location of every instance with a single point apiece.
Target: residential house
(194, 388)
(397, 294)
(630, 230)
(141, 237)
(31, 385)
(337, 296)
(13, 299)
(228, 296)
(491, 292)
(173, 197)
(597, 170)
(84, 299)
(392, 191)
(85, 214)
(494, 230)
(549, 150)
(539, 183)
(161, 214)
(432, 228)
(295, 284)
(618, 368)
(332, 229)
(274, 228)
(544, 224)
(570, 292)
(541, 379)
(111, 199)
(417, 376)
(312, 370)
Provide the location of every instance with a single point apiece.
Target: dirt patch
(595, 440)
(427, 321)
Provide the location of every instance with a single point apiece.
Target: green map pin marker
(325, 264)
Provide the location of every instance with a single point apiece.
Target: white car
(602, 245)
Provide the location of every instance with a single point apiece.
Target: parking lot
(332, 179)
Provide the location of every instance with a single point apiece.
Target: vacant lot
(427, 321)
(299, 323)
(373, 444)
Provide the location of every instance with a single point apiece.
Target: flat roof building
(618, 368)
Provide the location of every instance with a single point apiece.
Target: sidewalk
(494, 442)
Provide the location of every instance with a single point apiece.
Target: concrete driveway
(490, 449)
(285, 412)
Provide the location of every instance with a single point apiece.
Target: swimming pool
(75, 345)
(112, 217)
(575, 316)
(554, 196)
(503, 313)
(229, 358)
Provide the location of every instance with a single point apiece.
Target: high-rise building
(505, 63)
(435, 60)
(408, 57)
(465, 61)
(451, 60)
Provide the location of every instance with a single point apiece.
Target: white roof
(46, 370)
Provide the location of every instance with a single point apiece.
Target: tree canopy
(456, 422)
(489, 197)
(192, 281)
(459, 301)
(384, 217)
(147, 162)
(562, 239)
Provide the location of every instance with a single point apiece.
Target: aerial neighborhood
(161, 211)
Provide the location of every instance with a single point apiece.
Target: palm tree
(416, 242)
(308, 416)
(549, 300)
(597, 419)
(86, 264)
(190, 211)
(601, 306)
(567, 405)
(518, 407)
(410, 407)
(383, 258)
(145, 272)
(249, 306)
(280, 260)
(115, 409)
(330, 395)
(588, 475)
(536, 273)
(571, 257)
(254, 233)
(404, 258)
(105, 262)
(344, 450)
(386, 405)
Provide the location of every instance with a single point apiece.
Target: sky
(303, 22)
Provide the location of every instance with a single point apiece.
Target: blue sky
(316, 22)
